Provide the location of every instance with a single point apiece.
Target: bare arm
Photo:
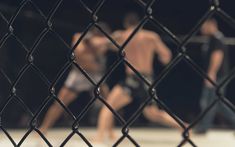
(117, 36)
(214, 65)
(80, 47)
(103, 43)
(100, 44)
(215, 61)
(81, 56)
(162, 50)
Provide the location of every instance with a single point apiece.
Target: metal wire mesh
(214, 9)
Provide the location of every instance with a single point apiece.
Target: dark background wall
(180, 90)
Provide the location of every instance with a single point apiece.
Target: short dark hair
(212, 20)
(105, 27)
(131, 19)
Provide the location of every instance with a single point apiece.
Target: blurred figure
(216, 65)
(90, 56)
(140, 53)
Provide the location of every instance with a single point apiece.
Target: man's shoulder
(148, 34)
(217, 42)
(77, 34)
(118, 31)
(218, 37)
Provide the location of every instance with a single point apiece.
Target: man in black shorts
(140, 53)
(136, 88)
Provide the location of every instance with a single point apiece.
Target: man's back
(140, 50)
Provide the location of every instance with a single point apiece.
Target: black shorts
(135, 87)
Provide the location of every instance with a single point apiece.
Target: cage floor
(146, 137)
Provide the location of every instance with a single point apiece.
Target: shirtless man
(91, 58)
(140, 53)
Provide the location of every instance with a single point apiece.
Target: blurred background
(180, 90)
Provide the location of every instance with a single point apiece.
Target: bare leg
(105, 92)
(116, 99)
(66, 96)
(155, 115)
(111, 133)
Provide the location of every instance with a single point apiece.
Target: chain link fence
(214, 9)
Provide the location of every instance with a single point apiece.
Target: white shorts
(77, 82)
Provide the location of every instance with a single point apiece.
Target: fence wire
(214, 9)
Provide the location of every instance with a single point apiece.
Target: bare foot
(112, 136)
(38, 140)
(104, 138)
(98, 139)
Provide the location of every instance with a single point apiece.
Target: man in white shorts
(91, 58)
